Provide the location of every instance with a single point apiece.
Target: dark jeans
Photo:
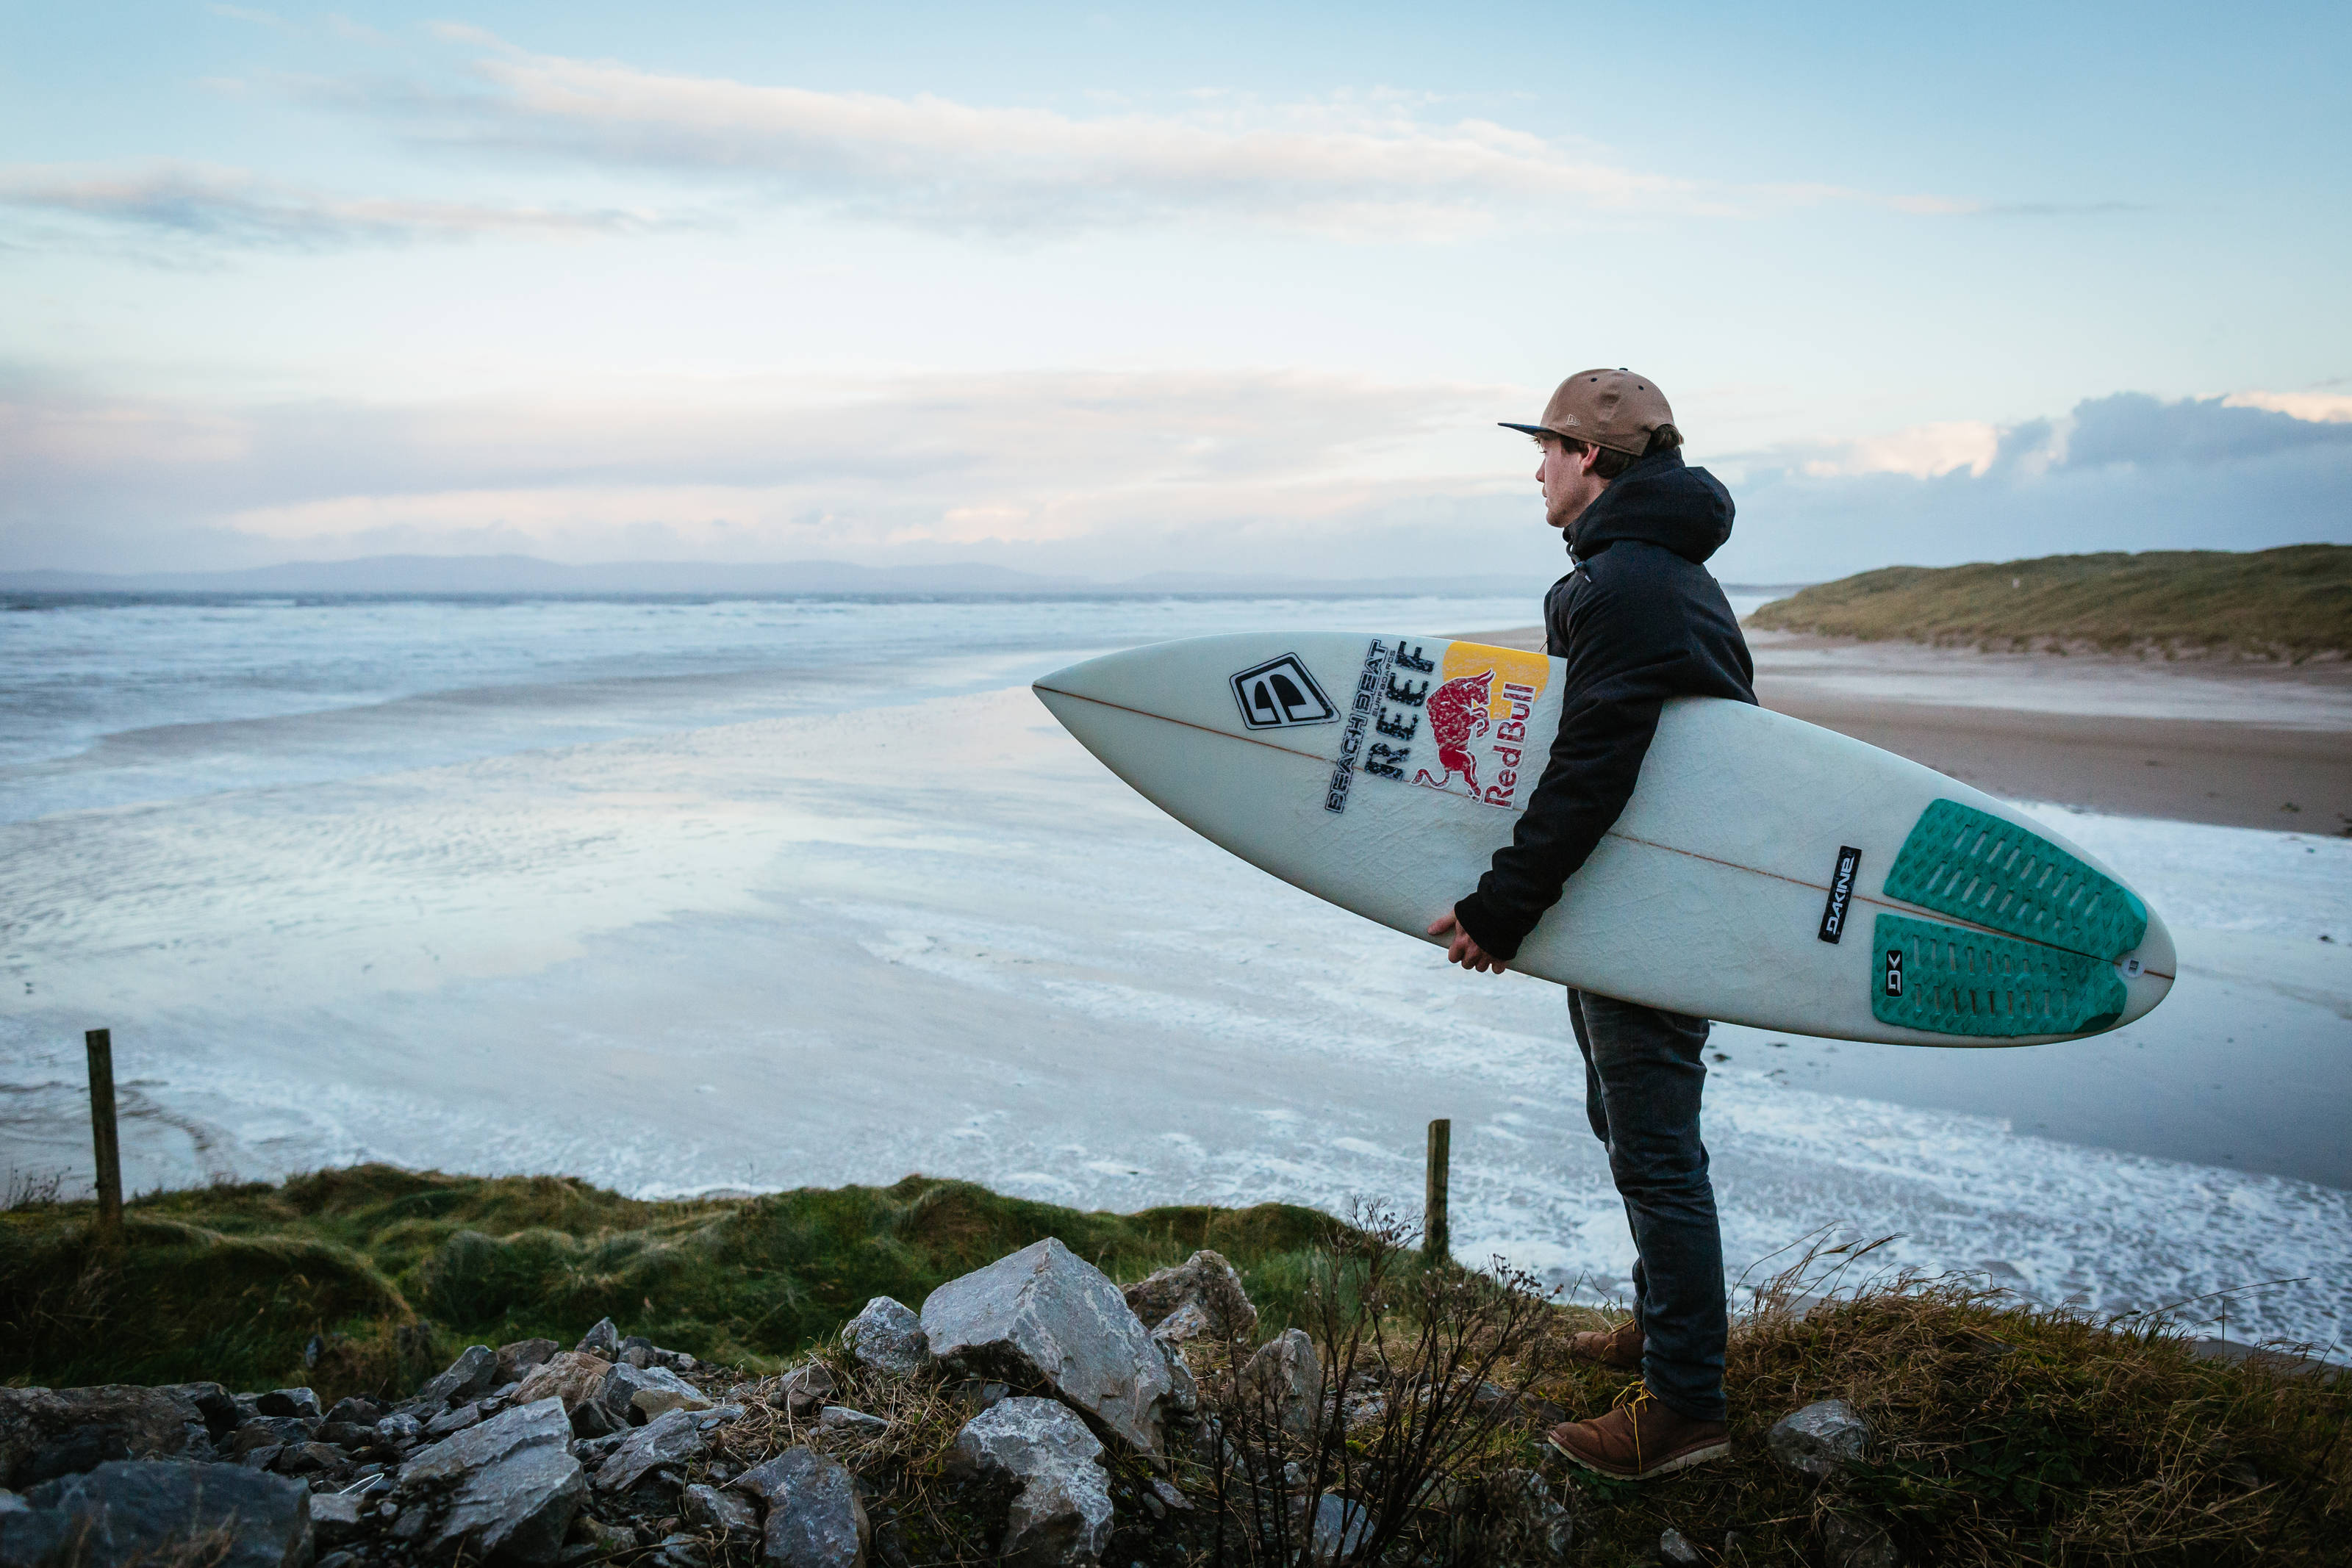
(1642, 1082)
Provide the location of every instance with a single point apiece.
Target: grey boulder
(517, 1358)
(506, 1490)
(658, 1389)
(469, 1377)
(1284, 1383)
(806, 1388)
(1060, 1515)
(127, 1512)
(672, 1437)
(1676, 1551)
(815, 1517)
(708, 1508)
(889, 1337)
(575, 1377)
(1821, 1439)
(603, 1342)
(1339, 1532)
(1044, 1316)
(1201, 1296)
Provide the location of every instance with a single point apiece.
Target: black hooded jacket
(1639, 620)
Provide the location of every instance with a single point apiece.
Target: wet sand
(2232, 744)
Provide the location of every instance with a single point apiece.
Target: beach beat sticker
(1458, 724)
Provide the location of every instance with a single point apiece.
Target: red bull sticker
(1459, 724)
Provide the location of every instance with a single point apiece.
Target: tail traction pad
(1953, 981)
(1976, 866)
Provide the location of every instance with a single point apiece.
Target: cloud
(234, 208)
(1367, 167)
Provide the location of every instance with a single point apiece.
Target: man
(1638, 620)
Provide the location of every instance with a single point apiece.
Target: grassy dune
(2292, 603)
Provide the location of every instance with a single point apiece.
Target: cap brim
(1530, 429)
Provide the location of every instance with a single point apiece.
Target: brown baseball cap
(1615, 409)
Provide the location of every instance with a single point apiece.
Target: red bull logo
(1457, 715)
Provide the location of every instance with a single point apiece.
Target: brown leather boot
(1640, 1438)
(1619, 1347)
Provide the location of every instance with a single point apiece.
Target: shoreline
(2286, 767)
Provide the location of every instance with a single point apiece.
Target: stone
(1676, 1551)
(1204, 1283)
(336, 1516)
(681, 1551)
(1340, 1529)
(806, 1388)
(1284, 1383)
(1183, 1388)
(509, 1487)
(731, 1513)
(309, 1459)
(1821, 1439)
(214, 1405)
(658, 1389)
(264, 1429)
(815, 1517)
(1529, 1524)
(1046, 1317)
(889, 1337)
(852, 1423)
(399, 1428)
(468, 1377)
(1189, 1321)
(345, 1435)
(1060, 1515)
(456, 1420)
(671, 1437)
(50, 1432)
(616, 1397)
(128, 1512)
(603, 1342)
(517, 1358)
(1857, 1543)
(356, 1412)
(636, 1350)
(575, 1377)
(297, 1402)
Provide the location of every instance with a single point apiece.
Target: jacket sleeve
(1619, 674)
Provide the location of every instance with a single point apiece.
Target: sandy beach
(2234, 744)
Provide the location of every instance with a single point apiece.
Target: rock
(264, 1429)
(636, 1350)
(708, 1507)
(658, 1389)
(50, 1432)
(603, 1342)
(806, 1388)
(889, 1337)
(1061, 1511)
(355, 1412)
(853, 1423)
(214, 1406)
(399, 1428)
(469, 1377)
(517, 1359)
(456, 1420)
(1857, 1543)
(309, 1459)
(508, 1487)
(669, 1438)
(1284, 1383)
(344, 1434)
(1340, 1527)
(815, 1517)
(1204, 1283)
(616, 1395)
(1821, 1439)
(128, 1512)
(1676, 1551)
(1187, 1322)
(297, 1402)
(1529, 1523)
(575, 1377)
(681, 1551)
(1183, 1389)
(1044, 1316)
(335, 1516)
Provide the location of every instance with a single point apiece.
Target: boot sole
(1681, 1461)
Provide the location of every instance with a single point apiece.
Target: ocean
(698, 895)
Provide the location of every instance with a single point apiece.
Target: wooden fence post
(1432, 1213)
(100, 1043)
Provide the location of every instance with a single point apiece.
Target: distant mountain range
(437, 574)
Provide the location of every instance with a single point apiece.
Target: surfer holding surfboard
(1638, 620)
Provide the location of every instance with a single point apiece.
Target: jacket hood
(1660, 501)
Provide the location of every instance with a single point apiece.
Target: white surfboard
(1766, 871)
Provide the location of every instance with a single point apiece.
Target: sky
(1106, 290)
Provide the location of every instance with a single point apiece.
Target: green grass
(395, 1269)
(2292, 603)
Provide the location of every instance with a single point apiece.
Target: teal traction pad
(1974, 983)
(1968, 864)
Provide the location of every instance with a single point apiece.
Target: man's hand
(1462, 949)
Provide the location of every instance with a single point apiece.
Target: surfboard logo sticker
(1281, 694)
(1848, 861)
(1362, 710)
(1894, 983)
(1463, 718)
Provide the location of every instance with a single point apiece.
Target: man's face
(1569, 482)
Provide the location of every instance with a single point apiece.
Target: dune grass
(392, 1271)
(2293, 603)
